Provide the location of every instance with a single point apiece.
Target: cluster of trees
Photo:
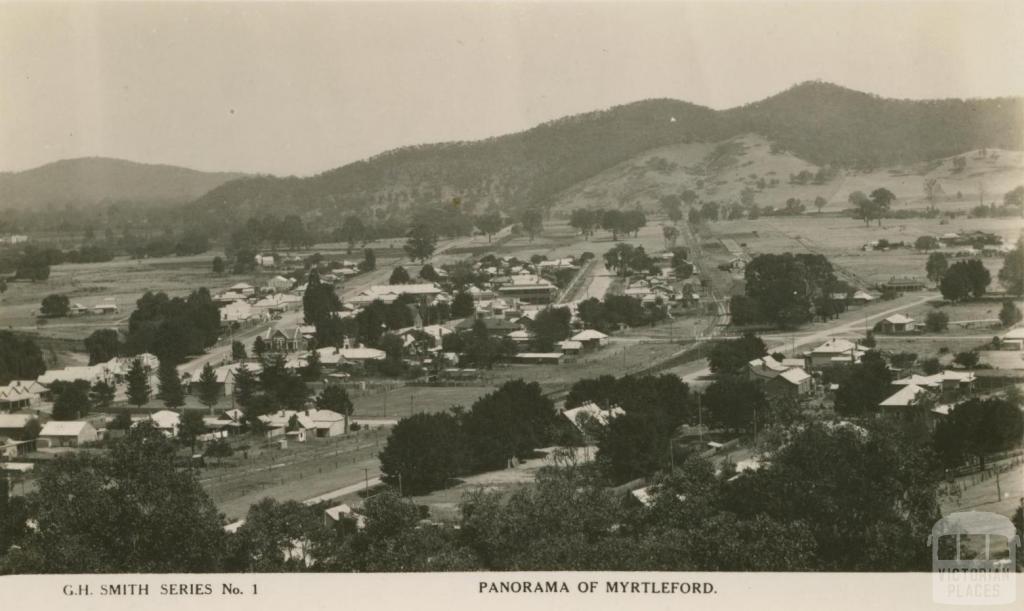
(786, 516)
(626, 259)
(173, 328)
(20, 358)
(807, 177)
(863, 386)
(617, 311)
(190, 243)
(76, 399)
(639, 442)
(55, 306)
(614, 221)
(732, 355)
(787, 290)
(477, 347)
(963, 280)
(270, 231)
(425, 451)
(874, 207)
(978, 427)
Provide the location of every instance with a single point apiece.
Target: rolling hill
(89, 181)
(810, 125)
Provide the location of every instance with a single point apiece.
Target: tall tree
(319, 302)
(532, 222)
(207, 387)
(882, 199)
(138, 383)
(170, 391)
(102, 345)
(489, 224)
(399, 275)
(1012, 273)
(20, 358)
(246, 385)
(238, 351)
(936, 266)
(421, 243)
(190, 428)
(102, 394)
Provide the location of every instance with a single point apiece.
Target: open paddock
(841, 240)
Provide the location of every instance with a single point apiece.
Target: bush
(936, 321)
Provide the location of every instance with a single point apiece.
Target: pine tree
(245, 385)
(171, 392)
(209, 392)
(313, 369)
(138, 384)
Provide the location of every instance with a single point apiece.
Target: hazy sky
(303, 88)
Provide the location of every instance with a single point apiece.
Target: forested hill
(818, 122)
(89, 181)
(827, 124)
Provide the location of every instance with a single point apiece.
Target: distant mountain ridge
(88, 181)
(820, 123)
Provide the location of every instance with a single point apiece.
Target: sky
(302, 88)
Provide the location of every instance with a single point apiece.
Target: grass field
(300, 472)
(840, 239)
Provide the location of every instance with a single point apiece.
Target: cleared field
(297, 473)
(840, 239)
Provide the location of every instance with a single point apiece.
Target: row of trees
(614, 221)
(616, 311)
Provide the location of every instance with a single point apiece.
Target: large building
(530, 289)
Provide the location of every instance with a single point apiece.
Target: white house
(20, 394)
(236, 311)
(898, 323)
(167, 421)
(590, 338)
(280, 283)
(327, 423)
(67, 434)
(590, 411)
(836, 351)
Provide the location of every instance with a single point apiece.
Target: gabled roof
(903, 397)
(899, 319)
(838, 346)
(325, 416)
(768, 362)
(588, 335)
(165, 419)
(602, 416)
(795, 375)
(281, 419)
(14, 421)
(65, 428)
